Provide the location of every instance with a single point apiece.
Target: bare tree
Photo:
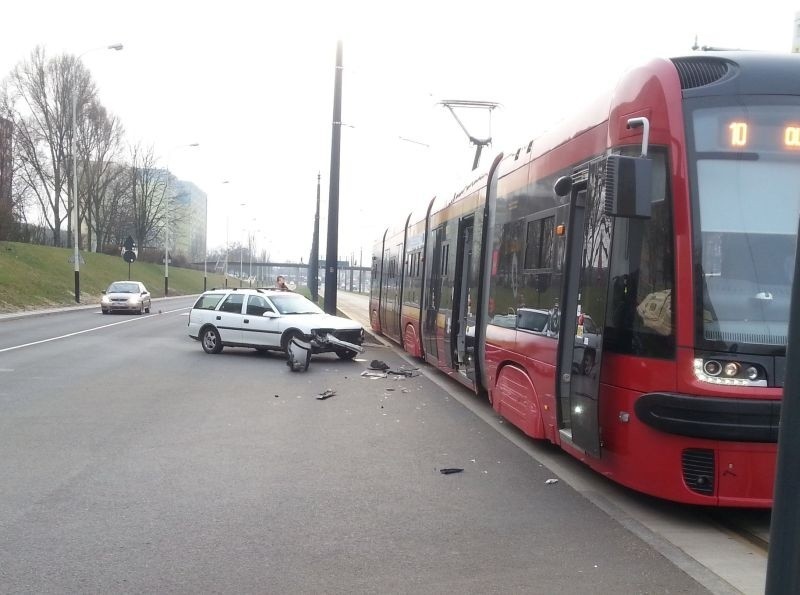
(99, 144)
(114, 220)
(153, 200)
(37, 96)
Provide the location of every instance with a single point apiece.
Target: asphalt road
(134, 462)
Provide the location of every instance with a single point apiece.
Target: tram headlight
(729, 373)
(712, 367)
(731, 369)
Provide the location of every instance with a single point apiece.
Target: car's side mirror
(269, 314)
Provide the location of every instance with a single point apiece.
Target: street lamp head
(116, 46)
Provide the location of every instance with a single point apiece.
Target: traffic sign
(129, 256)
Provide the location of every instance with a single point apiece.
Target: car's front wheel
(210, 339)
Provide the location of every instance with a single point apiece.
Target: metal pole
(783, 571)
(205, 251)
(332, 252)
(166, 245)
(75, 232)
(313, 262)
(227, 247)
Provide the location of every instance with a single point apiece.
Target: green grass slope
(34, 277)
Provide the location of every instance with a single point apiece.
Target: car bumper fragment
(329, 339)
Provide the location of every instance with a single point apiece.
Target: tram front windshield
(746, 208)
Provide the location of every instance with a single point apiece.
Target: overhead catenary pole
(332, 252)
(313, 261)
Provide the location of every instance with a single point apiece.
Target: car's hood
(123, 295)
(327, 321)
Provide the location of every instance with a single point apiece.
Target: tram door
(433, 293)
(463, 317)
(582, 313)
(390, 295)
(607, 188)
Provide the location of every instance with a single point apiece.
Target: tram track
(751, 526)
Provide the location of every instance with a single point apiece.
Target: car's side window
(257, 305)
(532, 321)
(233, 303)
(208, 301)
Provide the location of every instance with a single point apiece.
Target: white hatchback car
(266, 319)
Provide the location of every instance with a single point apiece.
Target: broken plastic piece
(372, 375)
(551, 481)
(326, 394)
(299, 354)
(403, 373)
(450, 470)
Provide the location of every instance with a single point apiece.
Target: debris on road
(377, 364)
(450, 470)
(372, 375)
(326, 394)
(550, 481)
(404, 371)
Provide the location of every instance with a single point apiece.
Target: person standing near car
(281, 284)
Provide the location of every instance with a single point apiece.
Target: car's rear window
(209, 301)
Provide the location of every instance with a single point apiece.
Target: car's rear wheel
(210, 339)
(345, 354)
(147, 310)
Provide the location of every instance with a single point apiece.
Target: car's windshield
(123, 288)
(748, 204)
(292, 303)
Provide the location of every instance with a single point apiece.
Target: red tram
(621, 285)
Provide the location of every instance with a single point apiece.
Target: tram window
(445, 258)
(639, 315)
(539, 244)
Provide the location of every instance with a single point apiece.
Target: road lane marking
(88, 330)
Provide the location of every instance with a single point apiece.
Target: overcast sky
(252, 82)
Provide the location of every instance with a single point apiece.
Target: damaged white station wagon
(265, 319)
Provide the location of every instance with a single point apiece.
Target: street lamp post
(166, 227)
(76, 235)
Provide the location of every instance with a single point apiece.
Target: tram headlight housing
(729, 372)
